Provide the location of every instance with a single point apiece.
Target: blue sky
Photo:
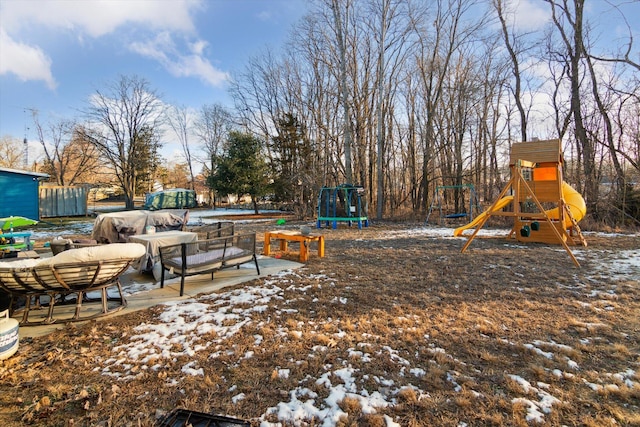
(55, 53)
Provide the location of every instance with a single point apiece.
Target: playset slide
(501, 204)
(571, 197)
(575, 202)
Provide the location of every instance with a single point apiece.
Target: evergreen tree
(243, 169)
(147, 158)
(293, 166)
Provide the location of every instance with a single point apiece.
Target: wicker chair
(72, 272)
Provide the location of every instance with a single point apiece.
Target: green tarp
(177, 198)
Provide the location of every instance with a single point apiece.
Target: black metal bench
(207, 256)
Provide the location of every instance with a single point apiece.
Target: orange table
(294, 236)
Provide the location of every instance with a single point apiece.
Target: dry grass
(448, 338)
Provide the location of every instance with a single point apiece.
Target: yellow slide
(576, 203)
(501, 204)
(571, 197)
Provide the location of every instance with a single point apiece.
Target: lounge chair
(72, 272)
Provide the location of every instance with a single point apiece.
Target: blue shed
(19, 193)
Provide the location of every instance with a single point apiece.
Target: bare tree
(390, 24)
(512, 42)
(312, 62)
(568, 21)
(491, 125)
(124, 126)
(338, 12)
(212, 127)
(68, 157)
(608, 126)
(179, 121)
(623, 92)
(408, 109)
(624, 56)
(439, 45)
(10, 153)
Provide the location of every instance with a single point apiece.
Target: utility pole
(25, 142)
(25, 153)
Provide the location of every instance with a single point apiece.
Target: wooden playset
(545, 208)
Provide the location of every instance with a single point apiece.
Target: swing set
(440, 203)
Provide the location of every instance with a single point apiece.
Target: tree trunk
(344, 93)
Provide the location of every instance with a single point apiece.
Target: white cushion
(19, 263)
(113, 251)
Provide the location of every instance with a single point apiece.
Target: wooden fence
(63, 201)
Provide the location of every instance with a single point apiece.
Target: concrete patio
(152, 294)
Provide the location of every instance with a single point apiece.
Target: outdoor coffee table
(294, 236)
(153, 242)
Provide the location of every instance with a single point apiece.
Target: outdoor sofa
(207, 256)
(74, 272)
(117, 227)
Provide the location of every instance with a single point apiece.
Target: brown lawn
(392, 327)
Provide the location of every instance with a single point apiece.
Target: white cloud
(98, 18)
(24, 61)
(199, 46)
(187, 62)
(529, 14)
(264, 16)
(86, 18)
(155, 49)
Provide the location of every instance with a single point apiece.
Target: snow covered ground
(184, 321)
(225, 314)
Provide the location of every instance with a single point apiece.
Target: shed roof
(23, 172)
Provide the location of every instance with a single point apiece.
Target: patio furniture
(73, 272)
(207, 256)
(286, 236)
(215, 229)
(221, 229)
(61, 245)
(117, 227)
(152, 242)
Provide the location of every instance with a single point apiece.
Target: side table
(294, 236)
